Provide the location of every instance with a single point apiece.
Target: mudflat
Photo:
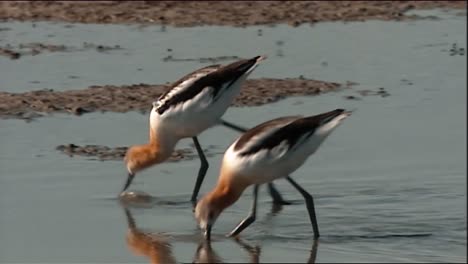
(225, 13)
(139, 97)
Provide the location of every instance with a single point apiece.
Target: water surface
(389, 183)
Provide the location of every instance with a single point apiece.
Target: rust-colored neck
(152, 137)
(155, 249)
(161, 146)
(226, 193)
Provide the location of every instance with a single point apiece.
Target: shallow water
(389, 183)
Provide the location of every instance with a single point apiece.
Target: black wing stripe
(216, 79)
(188, 76)
(251, 133)
(292, 132)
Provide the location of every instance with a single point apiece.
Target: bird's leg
(206, 254)
(130, 219)
(250, 218)
(275, 194)
(254, 252)
(313, 252)
(309, 200)
(201, 172)
(233, 126)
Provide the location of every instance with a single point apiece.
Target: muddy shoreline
(105, 153)
(35, 48)
(221, 13)
(139, 97)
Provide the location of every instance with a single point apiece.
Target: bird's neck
(161, 145)
(146, 244)
(226, 193)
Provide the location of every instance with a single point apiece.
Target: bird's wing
(205, 84)
(280, 136)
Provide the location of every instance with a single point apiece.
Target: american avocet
(193, 104)
(267, 152)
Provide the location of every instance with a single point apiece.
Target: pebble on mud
(381, 91)
(77, 110)
(352, 97)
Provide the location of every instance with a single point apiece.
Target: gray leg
(130, 219)
(250, 218)
(233, 126)
(201, 172)
(275, 194)
(254, 252)
(309, 200)
(313, 252)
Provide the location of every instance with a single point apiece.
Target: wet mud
(32, 49)
(104, 153)
(139, 97)
(377, 92)
(198, 13)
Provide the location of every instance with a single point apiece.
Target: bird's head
(206, 214)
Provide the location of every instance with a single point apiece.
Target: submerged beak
(129, 181)
(208, 232)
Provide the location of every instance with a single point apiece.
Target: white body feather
(190, 118)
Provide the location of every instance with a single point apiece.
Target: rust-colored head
(206, 213)
(213, 204)
(140, 157)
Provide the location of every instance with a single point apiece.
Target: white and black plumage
(269, 151)
(281, 145)
(198, 100)
(191, 105)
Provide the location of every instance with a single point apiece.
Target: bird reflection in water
(206, 254)
(157, 248)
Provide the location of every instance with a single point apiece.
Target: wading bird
(269, 151)
(191, 105)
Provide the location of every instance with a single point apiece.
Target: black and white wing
(280, 136)
(254, 137)
(206, 84)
